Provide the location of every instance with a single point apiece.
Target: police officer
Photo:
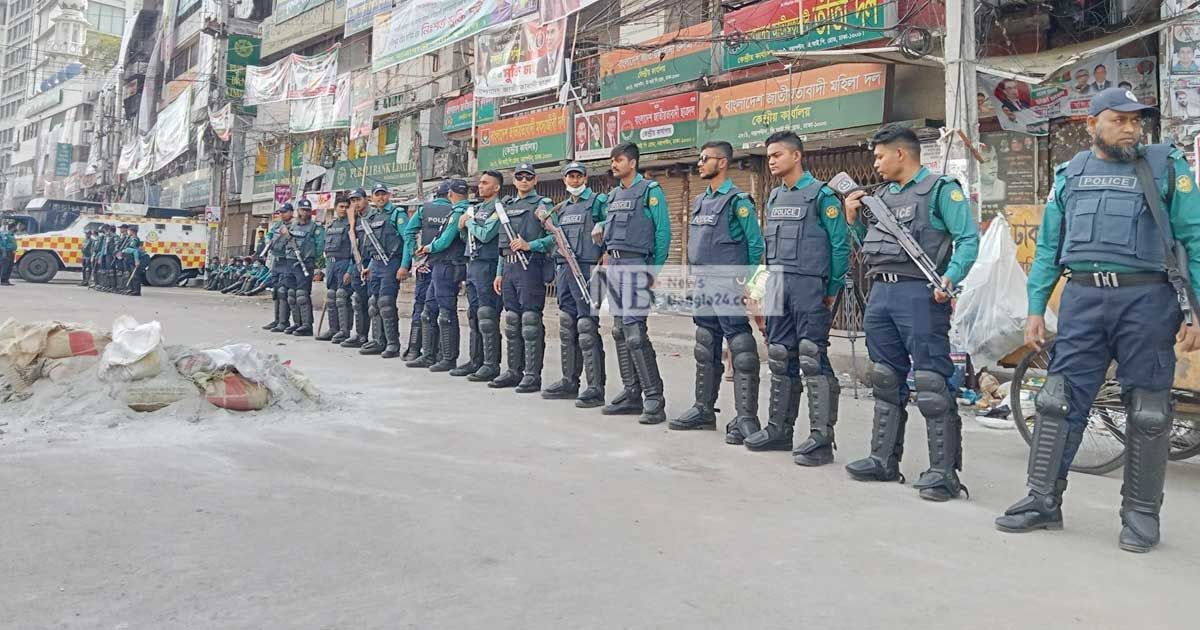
(523, 286)
(384, 271)
(212, 273)
(358, 297)
(578, 321)
(276, 245)
(419, 330)
(1100, 229)
(907, 318)
(637, 238)
(8, 251)
(808, 245)
(306, 239)
(482, 226)
(89, 249)
(724, 245)
(118, 266)
(337, 263)
(101, 281)
(133, 256)
(445, 249)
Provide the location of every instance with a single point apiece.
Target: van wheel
(163, 272)
(38, 267)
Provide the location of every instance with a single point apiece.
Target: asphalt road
(416, 500)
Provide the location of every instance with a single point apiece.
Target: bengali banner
(671, 59)
(520, 58)
(661, 124)
(753, 33)
(459, 112)
(535, 138)
(418, 27)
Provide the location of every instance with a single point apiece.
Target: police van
(176, 247)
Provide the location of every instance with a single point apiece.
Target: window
(183, 61)
(106, 19)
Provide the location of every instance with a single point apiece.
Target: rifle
(387, 260)
(502, 214)
(291, 242)
(877, 212)
(424, 259)
(471, 244)
(1176, 255)
(564, 248)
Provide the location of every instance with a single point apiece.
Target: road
(415, 500)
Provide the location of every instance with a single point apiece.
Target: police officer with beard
(483, 227)
(907, 318)
(445, 247)
(383, 276)
(279, 268)
(337, 263)
(1101, 230)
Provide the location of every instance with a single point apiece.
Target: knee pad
(567, 328)
(810, 358)
(487, 313)
(372, 305)
(341, 294)
(302, 297)
(777, 359)
(635, 336)
(291, 295)
(618, 331)
(531, 318)
(388, 310)
(429, 314)
(278, 293)
(933, 396)
(885, 384)
(1149, 411)
(587, 333)
(444, 317)
(512, 324)
(331, 296)
(705, 345)
(745, 352)
(531, 325)
(1052, 400)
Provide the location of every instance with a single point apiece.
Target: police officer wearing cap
(724, 246)
(445, 247)
(383, 277)
(8, 250)
(337, 263)
(117, 268)
(89, 250)
(304, 238)
(1100, 230)
(523, 286)
(637, 238)
(279, 268)
(353, 279)
(133, 256)
(905, 317)
(482, 227)
(578, 322)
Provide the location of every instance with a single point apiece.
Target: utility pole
(961, 108)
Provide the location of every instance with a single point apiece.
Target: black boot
(1036, 511)
(944, 427)
(571, 359)
(645, 361)
(489, 334)
(777, 435)
(592, 349)
(629, 401)
(429, 339)
(391, 328)
(475, 345)
(374, 344)
(515, 353)
(702, 414)
(274, 303)
(746, 367)
(334, 317)
(304, 303)
(285, 313)
(362, 322)
(341, 303)
(887, 433)
(1147, 446)
(823, 393)
(448, 339)
(533, 334)
(414, 339)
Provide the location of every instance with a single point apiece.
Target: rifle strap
(1146, 181)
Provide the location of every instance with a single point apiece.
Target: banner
(241, 52)
(322, 112)
(834, 97)
(418, 27)
(554, 10)
(267, 84)
(63, 154)
(752, 33)
(283, 193)
(381, 169)
(668, 60)
(221, 121)
(288, 9)
(662, 124)
(143, 157)
(534, 138)
(172, 131)
(313, 76)
(1140, 76)
(362, 103)
(521, 58)
(1028, 108)
(459, 112)
(360, 14)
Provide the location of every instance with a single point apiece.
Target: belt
(1113, 280)
(892, 278)
(616, 253)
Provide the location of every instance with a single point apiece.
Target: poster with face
(1184, 40)
(1185, 96)
(1140, 76)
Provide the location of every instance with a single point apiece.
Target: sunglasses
(705, 158)
(524, 177)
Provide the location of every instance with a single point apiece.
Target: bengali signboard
(360, 14)
(243, 50)
(459, 112)
(667, 60)
(380, 169)
(520, 58)
(63, 153)
(280, 33)
(753, 33)
(418, 27)
(288, 9)
(835, 97)
(661, 124)
(535, 138)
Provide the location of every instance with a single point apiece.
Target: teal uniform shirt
(409, 232)
(484, 233)
(951, 212)
(1183, 212)
(543, 245)
(8, 242)
(656, 211)
(318, 237)
(743, 223)
(599, 205)
(447, 237)
(133, 247)
(834, 223)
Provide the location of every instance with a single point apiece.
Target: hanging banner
(554, 10)
(535, 138)
(241, 52)
(360, 14)
(662, 124)
(362, 102)
(143, 157)
(323, 112)
(221, 121)
(521, 58)
(171, 131)
(1140, 76)
(418, 27)
(667, 60)
(63, 154)
(129, 155)
(834, 97)
(752, 33)
(267, 84)
(459, 111)
(313, 76)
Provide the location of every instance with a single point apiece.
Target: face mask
(577, 190)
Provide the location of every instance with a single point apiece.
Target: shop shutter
(676, 187)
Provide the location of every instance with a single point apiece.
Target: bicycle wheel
(1185, 434)
(1103, 447)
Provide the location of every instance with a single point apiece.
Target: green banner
(458, 112)
(264, 184)
(63, 154)
(667, 60)
(753, 32)
(381, 169)
(243, 51)
(534, 138)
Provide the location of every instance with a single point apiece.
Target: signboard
(753, 32)
(521, 58)
(212, 214)
(360, 14)
(664, 61)
(662, 124)
(1008, 175)
(283, 193)
(459, 111)
(63, 153)
(382, 169)
(288, 9)
(418, 27)
(280, 33)
(243, 51)
(835, 97)
(534, 138)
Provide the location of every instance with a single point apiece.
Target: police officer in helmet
(1100, 229)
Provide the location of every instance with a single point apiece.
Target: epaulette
(1058, 169)
(652, 184)
(548, 201)
(601, 197)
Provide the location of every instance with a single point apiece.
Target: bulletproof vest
(385, 232)
(303, 236)
(522, 213)
(576, 222)
(120, 244)
(794, 237)
(337, 239)
(491, 249)
(279, 246)
(1107, 218)
(627, 227)
(709, 242)
(911, 208)
(434, 217)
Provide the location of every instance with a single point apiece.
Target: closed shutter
(676, 187)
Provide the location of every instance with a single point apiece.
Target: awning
(810, 59)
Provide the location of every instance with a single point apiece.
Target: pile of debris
(65, 372)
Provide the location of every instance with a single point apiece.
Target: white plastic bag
(989, 317)
(135, 352)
